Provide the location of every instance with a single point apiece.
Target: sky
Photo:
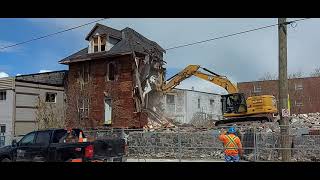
(245, 57)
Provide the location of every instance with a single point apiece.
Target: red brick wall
(120, 92)
(309, 96)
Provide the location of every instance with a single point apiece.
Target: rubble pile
(305, 120)
(158, 121)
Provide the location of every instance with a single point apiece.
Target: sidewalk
(175, 160)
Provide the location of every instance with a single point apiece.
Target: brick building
(304, 92)
(107, 80)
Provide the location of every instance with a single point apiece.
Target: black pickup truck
(46, 146)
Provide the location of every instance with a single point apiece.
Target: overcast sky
(242, 58)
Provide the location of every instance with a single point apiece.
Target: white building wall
(6, 108)
(193, 107)
(186, 105)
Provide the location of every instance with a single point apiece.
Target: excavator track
(245, 120)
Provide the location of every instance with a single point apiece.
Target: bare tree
(298, 74)
(49, 115)
(315, 73)
(268, 76)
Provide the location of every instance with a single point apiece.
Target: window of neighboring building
(2, 141)
(170, 99)
(298, 86)
(257, 89)
(3, 95)
(51, 97)
(198, 103)
(2, 128)
(211, 102)
(298, 103)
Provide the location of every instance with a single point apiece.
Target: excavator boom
(235, 107)
(193, 70)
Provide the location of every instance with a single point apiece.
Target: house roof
(102, 29)
(54, 78)
(130, 41)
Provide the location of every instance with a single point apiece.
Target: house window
(83, 108)
(298, 87)
(298, 103)
(2, 128)
(51, 97)
(198, 103)
(111, 71)
(2, 141)
(257, 89)
(107, 110)
(95, 44)
(85, 72)
(103, 40)
(170, 99)
(211, 102)
(3, 95)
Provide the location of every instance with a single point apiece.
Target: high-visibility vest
(231, 144)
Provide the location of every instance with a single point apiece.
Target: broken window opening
(103, 40)
(3, 95)
(51, 97)
(95, 44)
(84, 74)
(199, 103)
(211, 102)
(111, 71)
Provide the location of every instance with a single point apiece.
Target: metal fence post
(254, 143)
(179, 141)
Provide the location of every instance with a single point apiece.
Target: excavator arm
(193, 70)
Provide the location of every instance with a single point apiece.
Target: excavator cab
(233, 103)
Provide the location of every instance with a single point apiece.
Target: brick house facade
(303, 92)
(106, 80)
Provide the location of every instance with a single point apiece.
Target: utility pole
(283, 91)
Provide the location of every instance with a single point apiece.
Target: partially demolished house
(109, 80)
(29, 102)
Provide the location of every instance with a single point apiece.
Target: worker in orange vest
(232, 145)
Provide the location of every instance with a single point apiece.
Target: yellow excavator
(236, 108)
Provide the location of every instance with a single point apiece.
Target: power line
(48, 35)
(234, 34)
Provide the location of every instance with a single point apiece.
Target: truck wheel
(6, 160)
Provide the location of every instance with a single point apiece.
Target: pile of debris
(305, 120)
(157, 121)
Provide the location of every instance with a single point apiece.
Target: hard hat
(231, 130)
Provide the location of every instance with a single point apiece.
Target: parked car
(51, 146)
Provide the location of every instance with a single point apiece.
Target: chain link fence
(260, 143)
